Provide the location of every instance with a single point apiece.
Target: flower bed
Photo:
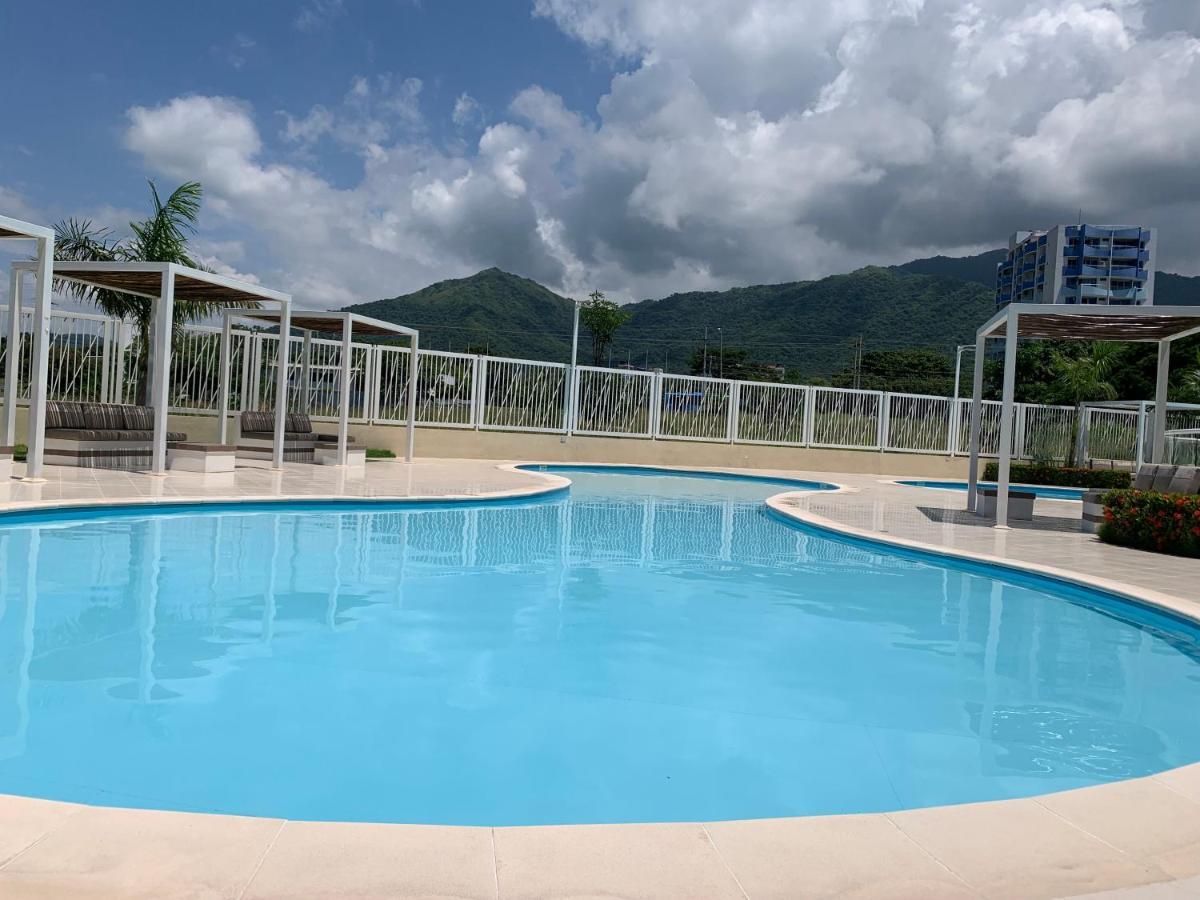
(1060, 476)
(1148, 520)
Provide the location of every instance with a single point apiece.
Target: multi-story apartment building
(1112, 264)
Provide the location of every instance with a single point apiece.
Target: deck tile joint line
(717, 850)
(262, 859)
(49, 831)
(495, 862)
(921, 848)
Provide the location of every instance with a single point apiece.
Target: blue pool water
(1040, 490)
(647, 647)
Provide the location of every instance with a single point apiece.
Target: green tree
(903, 371)
(1086, 376)
(602, 317)
(161, 237)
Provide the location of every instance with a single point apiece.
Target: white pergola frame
(160, 282)
(1160, 325)
(322, 322)
(15, 229)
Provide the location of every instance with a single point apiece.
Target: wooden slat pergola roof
(328, 322)
(145, 280)
(1097, 323)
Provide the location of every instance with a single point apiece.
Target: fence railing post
(656, 398)
(731, 423)
(809, 412)
(481, 392)
(884, 415)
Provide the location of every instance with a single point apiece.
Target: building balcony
(1085, 292)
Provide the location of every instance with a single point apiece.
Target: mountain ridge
(811, 327)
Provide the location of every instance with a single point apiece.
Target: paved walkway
(1135, 839)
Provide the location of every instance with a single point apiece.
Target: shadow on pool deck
(946, 516)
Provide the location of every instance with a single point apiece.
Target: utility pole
(704, 353)
(858, 351)
(958, 354)
(721, 335)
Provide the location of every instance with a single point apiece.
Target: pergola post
(976, 417)
(39, 376)
(223, 389)
(1006, 414)
(12, 361)
(344, 399)
(164, 313)
(413, 371)
(281, 384)
(1159, 435)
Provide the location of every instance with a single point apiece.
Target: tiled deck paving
(1137, 839)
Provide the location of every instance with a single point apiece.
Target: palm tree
(162, 237)
(1086, 377)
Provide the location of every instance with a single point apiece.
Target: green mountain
(1169, 289)
(490, 312)
(981, 267)
(811, 327)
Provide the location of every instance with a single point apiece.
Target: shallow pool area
(647, 647)
(1046, 492)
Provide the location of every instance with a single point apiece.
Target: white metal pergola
(1160, 325)
(43, 237)
(163, 283)
(344, 324)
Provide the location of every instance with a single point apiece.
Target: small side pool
(1040, 490)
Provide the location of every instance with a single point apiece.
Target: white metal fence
(94, 357)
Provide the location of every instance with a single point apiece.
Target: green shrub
(1061, 475)
(379, 453)
(20, 452)
(1148, 520)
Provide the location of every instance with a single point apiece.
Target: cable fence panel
(518, 395)
(445, 387)
(323, 400)
(989, 427)
(918, 423)
(1112, 434)
(695, 408)
(612, 402)
(771, 413)
(846, 418)
(78, 356)
(1047, 434)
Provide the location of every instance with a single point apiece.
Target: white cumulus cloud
(739, 141)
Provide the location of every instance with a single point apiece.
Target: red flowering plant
(1148, 520)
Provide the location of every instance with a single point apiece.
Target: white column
(344, 398)
(12, 359)
(164, 313)
(1158, 438)
(281, 383)
(40, 376)
(976, 415)
(413, 369)
(1006, 415)
(223, 389)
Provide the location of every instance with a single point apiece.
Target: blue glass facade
(1078, 264)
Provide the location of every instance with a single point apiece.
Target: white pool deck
(1137, 839)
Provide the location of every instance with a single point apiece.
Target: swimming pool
(648, 647)
(1047, 492)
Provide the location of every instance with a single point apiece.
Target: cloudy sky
(353, 149)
